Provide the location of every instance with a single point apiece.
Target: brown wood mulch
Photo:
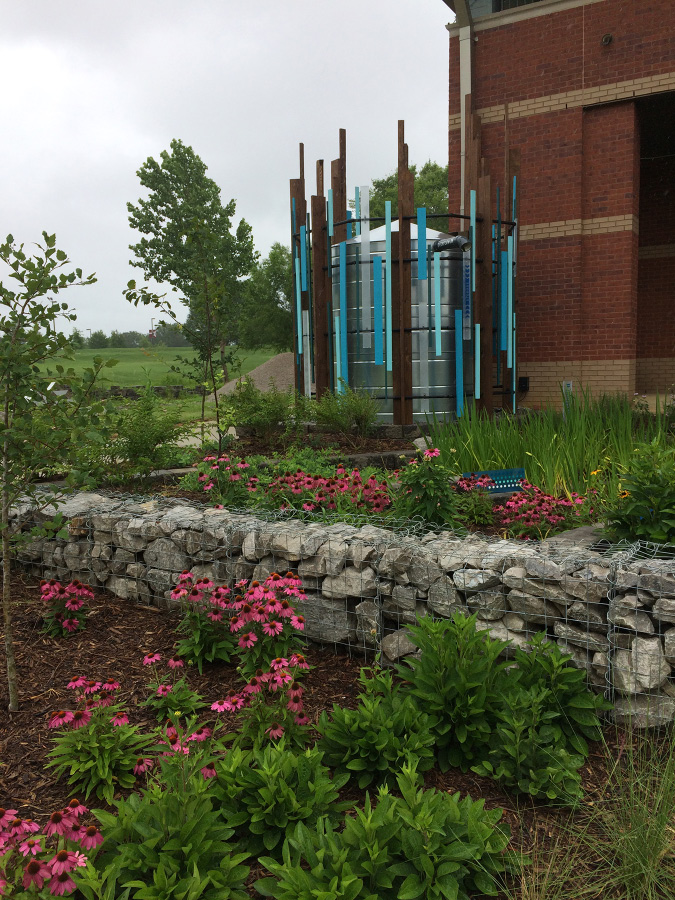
(117, 636)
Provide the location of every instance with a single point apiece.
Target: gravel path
(279, 369)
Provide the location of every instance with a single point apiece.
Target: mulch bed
(117, 635)
(338, 443)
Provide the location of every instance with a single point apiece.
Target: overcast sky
(92, 89)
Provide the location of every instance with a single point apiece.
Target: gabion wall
(614, 613)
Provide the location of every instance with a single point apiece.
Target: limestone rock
(164, 554)
(651, 711)
(366, 623)
(669, 645)
(588, 615)
(326, 621)
(533, 609)
(288, 545)
(642, 668)
(424, 571)
(443, 597)
(584, 589)
(658, 585)
(581, 638)
(541, 568)
(396, 645)
(514, 622)
(516, 578)
(394, 561)
(360, 555)
(330, 559)
(624, 613)
(499, 632)
(350, 583)
(664, 610)
(471, 580)
(488, 605)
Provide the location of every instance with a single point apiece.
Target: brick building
(586, 89)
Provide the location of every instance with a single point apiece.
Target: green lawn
(140, 366)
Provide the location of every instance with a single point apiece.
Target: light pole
(152, 329)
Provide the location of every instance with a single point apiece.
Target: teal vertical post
(343, 310)
(298, 303)
(357, 210)
(387, 285)
(503, 307)
(338, 357)
(349, 224)
(509, 301)
(476, 362)
(377, 310)
(513, 370)
(303, 256)
(421, 244)
(459, 364)
(437, 301)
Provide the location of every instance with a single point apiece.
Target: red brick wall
(578, 293)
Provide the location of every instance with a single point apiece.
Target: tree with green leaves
(431, 191)
(189, 242)
(98, 340)
(266, 318)
(39, 428)
(77, 341)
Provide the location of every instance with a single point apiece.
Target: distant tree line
(165, 336)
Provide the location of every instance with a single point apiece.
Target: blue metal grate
(504, 479)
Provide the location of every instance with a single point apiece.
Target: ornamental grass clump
(95, 745)
(65, 610)
(45, 861)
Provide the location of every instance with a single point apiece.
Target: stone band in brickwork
(574, 227)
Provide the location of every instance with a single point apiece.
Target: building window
(486, 7)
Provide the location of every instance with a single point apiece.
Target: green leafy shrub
(645, 508)
(425, 489)
(425, 844)
(459, 682)
(573, 707)
(205, 640)
(373, 741)
(170, 843)
(147, 433)
(527, 748)
(266, 413)
(99, 756)
(347, 411)
(168, 700)
(263, 794)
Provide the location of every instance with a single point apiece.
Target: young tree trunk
(223, 362)
(6, 591)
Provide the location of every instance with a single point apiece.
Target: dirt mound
(279, 370)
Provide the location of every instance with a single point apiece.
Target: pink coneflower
(273, 627)
(81, 718)
(301, 719)
(6, 815)
(151, 658)
(120, 719)
(74, 603)
(279, 679)
(175, 663)
(233, 701)
(92, 838)
(254, 686)
(35, 873)
(92, 687)
(298, 622)
(58, 824)
(75, 831)
(142, 765)
(201, 734)
(209, 486)
(430, 453)
(275, 730)
(71, 624)
(105, 699)
(185, 575)
(208, 772)
(75, 808)
(219, 706)
(63, 861)
(247, 640)
(295, 706)
(110, 685)
(164, 689)
(60, 717)
(279, 663)
(61, 884)
(295, 691)
(299, 661)
(215, 616)
(30, 847)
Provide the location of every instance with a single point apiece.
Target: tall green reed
(584, 446)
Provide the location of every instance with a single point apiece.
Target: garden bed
(117, 636)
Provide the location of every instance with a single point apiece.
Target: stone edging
(614, 615)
